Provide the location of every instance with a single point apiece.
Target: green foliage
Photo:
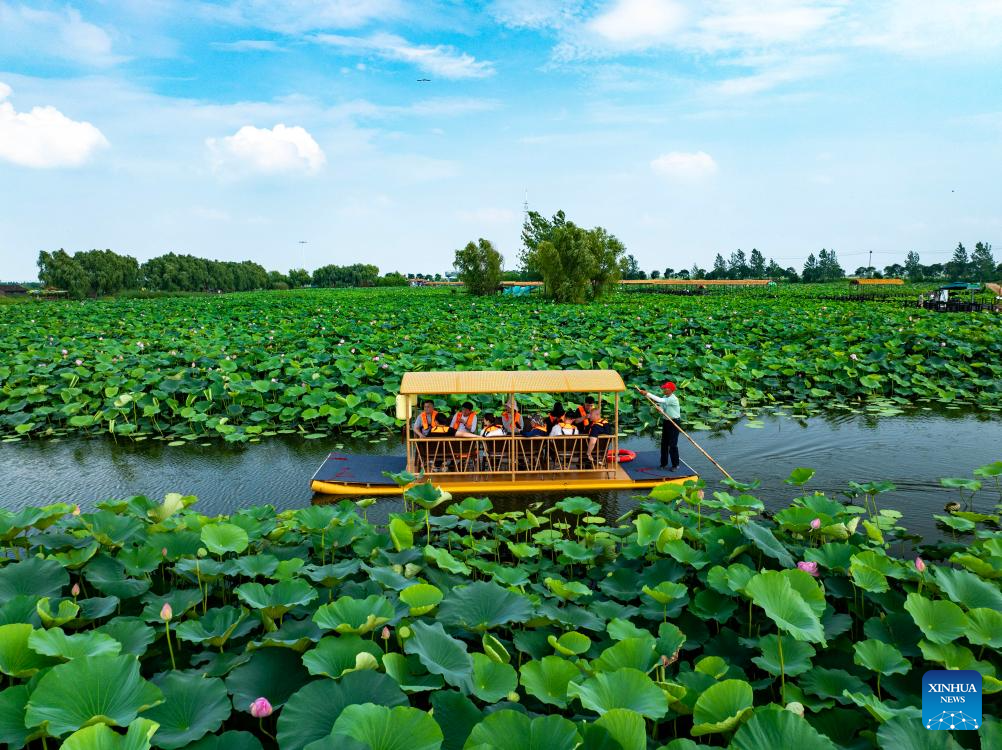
(479, 267)
(352, 651)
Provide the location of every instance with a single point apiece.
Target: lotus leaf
(880, 657)
(483, 605)
(193, 706)
(54, 642)
(32, 577)
(421, 598)
(770, 727)
(775, 593)
(382, 728)
(16, 658)
(721, 707)
(511, 730)
(967, 590)
(334, 656)
(940, 621)
(66, 610)
(570, 644)
(456, 715)
(409, 673)
(624, 688)
(274, 600)
(272, 673)
(220, 538)
(214, 628)
(100, 689)
(101, 737)
(311, 712)
(636, 652)
(796, 656)
(348, 615)
(441, 654)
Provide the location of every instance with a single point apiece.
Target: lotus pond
(244, 367)
(692, 621)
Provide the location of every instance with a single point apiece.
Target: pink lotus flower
(808, 567)
(853, 357)
(163, 552)
(816, 524)
(261, 708)
(920, 565)
(76, 510)
(79, 362)
(65, 352)
(166, 612)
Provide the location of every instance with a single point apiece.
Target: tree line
(100, 273)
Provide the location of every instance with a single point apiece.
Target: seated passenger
(537, 427)
(511, 420)
(597, 427)
(554, 417)
(425, 419)
(465, 421)
(581, 418)
(564, 427)
(491, 427)
(441, 428)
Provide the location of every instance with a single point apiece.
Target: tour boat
(508, 463)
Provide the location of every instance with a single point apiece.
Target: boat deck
(355, 475)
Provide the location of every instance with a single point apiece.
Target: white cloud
(772, 74)
(737, 24)
(27, 32)
(534, 14)
(438, 60)
(278, 150)
(639, 22)
(44, 137)
(298, 16)
(932, 28)
(248, 45)
(685, 166)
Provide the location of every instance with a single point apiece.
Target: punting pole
(661, 411)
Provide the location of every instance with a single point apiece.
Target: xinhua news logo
(951, 699)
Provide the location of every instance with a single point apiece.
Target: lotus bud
(166, 612)
(664, 661)
(816, 524)
(202, 552)
(809, 567)
(163, 552)
(385, 634)
(76, 510)
(920, 565)
(261, 708)
(75, 590)
(514, 697)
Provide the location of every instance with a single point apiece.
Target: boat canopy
(501, 381)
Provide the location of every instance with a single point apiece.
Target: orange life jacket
(458, 420)
(440, 429)
(424, 420)
(583, 413)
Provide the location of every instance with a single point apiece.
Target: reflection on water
(912, 451)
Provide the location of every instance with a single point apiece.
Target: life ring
(625, 456)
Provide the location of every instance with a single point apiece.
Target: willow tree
(577, 264)
(479, 267)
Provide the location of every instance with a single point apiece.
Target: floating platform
(362, 476)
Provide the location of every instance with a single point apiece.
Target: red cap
(669, 386)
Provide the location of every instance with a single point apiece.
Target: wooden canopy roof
(521, 381)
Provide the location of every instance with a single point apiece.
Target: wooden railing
(507, 455)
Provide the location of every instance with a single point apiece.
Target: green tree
(811, 273)
(277, 280)
(983, 262)
(299, 277)
(756, 264)
(355, 275)
(698, 273)
(537, 229)
(719, 268)
(479, 267)
(630, 268)
(773, 270)
(684, 273)
(61, 271)
(669, 273)
(737, 266)
(913, 266)
(93, 273)
(655, 274)
(958, 266)
(577, 264)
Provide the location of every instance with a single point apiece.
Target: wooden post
(511, 445)
(615, 439)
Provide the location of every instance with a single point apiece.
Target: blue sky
(234, 129)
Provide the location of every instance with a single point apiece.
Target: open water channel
(913, 451)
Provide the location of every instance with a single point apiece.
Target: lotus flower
(261, 708)
(163, 552)
(816, 524)
(385, 634)
(76, 510)
(79, 362)
(920, 565)
(808, 567)
(166, 612)
(75, 591)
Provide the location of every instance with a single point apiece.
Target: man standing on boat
(670, 427)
